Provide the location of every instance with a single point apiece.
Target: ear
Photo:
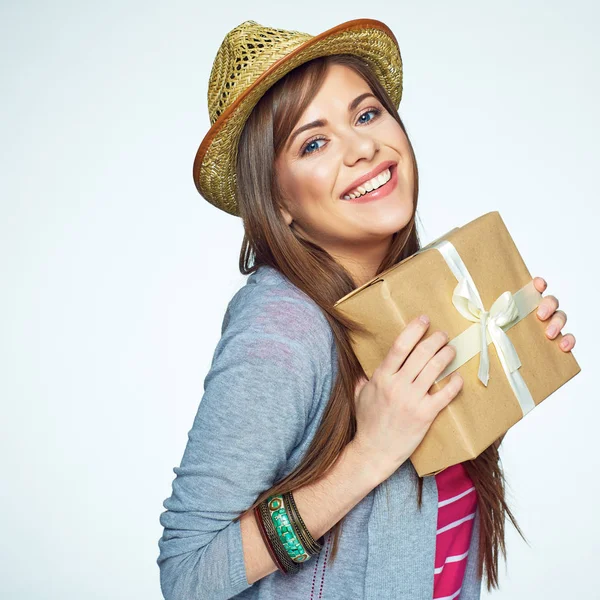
(287, 217)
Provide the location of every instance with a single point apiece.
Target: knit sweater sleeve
(266, 370)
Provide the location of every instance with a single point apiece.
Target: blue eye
(305, 149)
(374, 110)
(311, 144)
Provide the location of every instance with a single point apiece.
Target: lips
(376, 171)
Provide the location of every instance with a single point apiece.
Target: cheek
(318, 179)
(395, 136)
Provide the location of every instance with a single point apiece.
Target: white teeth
(370, 185)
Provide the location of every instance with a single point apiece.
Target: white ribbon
(489, 325)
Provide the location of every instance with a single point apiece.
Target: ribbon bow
(507, 310)
(503, 311)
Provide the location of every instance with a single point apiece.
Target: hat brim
(215, 162)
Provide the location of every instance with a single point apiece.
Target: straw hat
(251, 58)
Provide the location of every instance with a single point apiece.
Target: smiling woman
(290, 441)
(359, 139)
(345, 136)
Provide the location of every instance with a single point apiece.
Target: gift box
(472, 283)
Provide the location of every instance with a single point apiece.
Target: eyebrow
(323, 122)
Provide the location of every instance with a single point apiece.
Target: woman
(302, 127)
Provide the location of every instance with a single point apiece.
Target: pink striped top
(457, 501)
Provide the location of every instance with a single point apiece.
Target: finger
(557, 322)
(567, 342)
(433, 368)
(540, 284)
(423, 353)
(435, 402)
(547, 306)
(402, 347)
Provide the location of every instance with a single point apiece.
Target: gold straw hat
(251, 58)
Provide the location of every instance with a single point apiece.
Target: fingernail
(552, 330)
(542, 312)
(424, 319)
(564, 343)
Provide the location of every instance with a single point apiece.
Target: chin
(393, 218)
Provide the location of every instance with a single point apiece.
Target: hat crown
(245, 53)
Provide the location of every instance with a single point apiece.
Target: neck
(362, 262)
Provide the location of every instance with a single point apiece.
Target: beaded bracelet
(289, 566)
(267, 541)
(284, 533)
(302, 532)
(284, 527)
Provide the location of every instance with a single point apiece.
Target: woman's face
(318, 165)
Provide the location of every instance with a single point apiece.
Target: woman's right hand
(394, 409)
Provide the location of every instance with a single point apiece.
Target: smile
(375, 188)
(369, 186)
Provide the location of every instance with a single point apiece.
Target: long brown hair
(268, 240)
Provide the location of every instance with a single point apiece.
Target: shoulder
(275, 339)
(270, 305)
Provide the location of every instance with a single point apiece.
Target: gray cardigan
(265, 393)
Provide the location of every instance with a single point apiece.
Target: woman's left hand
(547, 311)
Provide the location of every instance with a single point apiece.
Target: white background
(115, 273)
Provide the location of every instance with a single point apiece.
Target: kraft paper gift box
(470, 280)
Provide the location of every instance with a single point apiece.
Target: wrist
(374, 466)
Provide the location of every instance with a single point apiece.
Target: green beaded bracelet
(285, 530)
(307, 540)
(289, 566)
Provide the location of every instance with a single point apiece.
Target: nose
(359, 145)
